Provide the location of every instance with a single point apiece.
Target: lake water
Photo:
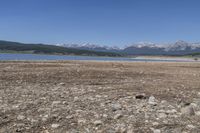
(6, 56)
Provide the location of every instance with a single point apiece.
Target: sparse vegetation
(196, 59)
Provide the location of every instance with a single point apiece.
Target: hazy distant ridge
(8, 46)
(143, 48)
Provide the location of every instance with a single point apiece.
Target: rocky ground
(96, 97)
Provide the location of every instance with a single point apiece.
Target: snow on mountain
(146, 44)
(89, 46)
(142, 47)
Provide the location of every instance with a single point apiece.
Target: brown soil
(86, 96)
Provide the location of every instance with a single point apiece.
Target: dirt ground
(95, 97)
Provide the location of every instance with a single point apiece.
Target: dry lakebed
(99, 97)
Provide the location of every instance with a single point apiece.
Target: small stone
(98, 96)
(190, 126)
(171, 111)
(116, 107)
(163, 102)
(198, 94)
(97, 122)
(45, 131)
(62, 84)
(197, 113)
(130, 131)
(20, 117)
(162, 115)
(156, 131)
(105, 115)
(152, 100)
(55, 103)
(183, 103)
(69, 117)
(44, 119)
(141, 96)
(161, 111)
(187, 110)
(55, 125)
(81, 121)
(193, 104)
(76, 99)
(117, 116)
(33, 121)
(155, 123)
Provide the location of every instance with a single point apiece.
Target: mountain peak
(181, 42)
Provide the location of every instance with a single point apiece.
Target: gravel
(95, 97)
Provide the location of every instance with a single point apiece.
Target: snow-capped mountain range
(143, 48)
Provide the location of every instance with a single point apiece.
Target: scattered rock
(62, 84)
(81, 121)
(98, 122)
(55, 103)
(162, 115)
(69, 117)
(187, 110)
(117, 116)
(20, 117)
(55, 125)
(141, 96)
(171, 111)
(152, 100)
(190, 126)
(105, 115)
(76, 99)
(89, 103)
(197, 113)
(155, 123)
(156, 130)
(183, 103)
(45, 131)
(116, 107)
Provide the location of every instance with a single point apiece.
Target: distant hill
(195, 54)
(178, 48)
(8, 46)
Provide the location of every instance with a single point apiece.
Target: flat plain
(89, 96)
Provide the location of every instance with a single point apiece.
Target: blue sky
(105, 22)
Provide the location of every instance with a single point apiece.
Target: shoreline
(167, 58)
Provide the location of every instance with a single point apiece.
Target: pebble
(97, 122)
(162, 115)
(20, 117)
(157, 131)
(117, 116)
(141, 96)
(76, 99)
(190, 126)
(187, 110)
(55, 103)
(197, 113)
(152, 100)
(116, 107)
(171, 111)
(62, 84)
(105, 115)
(155, 123)
(55, 125)
(81, 121)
